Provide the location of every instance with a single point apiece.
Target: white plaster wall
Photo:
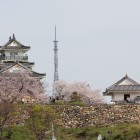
(20, 53)
(134, 95)
(119, 96)
(7, 53)
(16, 68)
(13, 44)
(126, 82)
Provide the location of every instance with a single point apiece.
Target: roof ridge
(126, 77)
(11, 40)
(13, 66)
(127, 85)
(23, 67)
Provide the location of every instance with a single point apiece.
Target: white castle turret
(13, 58)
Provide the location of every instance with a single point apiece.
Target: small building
(125, 89)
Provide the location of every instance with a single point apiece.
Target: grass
(18, 133)
(119, 132)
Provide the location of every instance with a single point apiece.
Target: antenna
(55, 33)
(56, 77)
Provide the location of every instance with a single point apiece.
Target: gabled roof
(32, 73)
(125, 84)
(14, 44)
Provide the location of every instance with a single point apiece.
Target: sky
(99, 40)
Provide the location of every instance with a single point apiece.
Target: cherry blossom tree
(81, 90)
(15, 87)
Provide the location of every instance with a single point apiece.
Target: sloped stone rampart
(101, 115)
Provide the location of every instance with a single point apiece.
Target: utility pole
(53, 138)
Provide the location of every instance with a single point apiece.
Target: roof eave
(40, 76)
(107, 93)
(24, 48)
(112, 91)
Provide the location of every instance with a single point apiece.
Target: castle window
(13, 53)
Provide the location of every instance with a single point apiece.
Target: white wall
(20, 53)
(13, 44)
(7, 53)
(126, 82)
(134, 95)
(118, 96)
(17, 68)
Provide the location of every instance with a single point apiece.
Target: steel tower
(56, 77)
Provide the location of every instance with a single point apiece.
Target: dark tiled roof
(21, 62)
(125, 78)
(33, 73)
(125, 88)
(116, 87)
(19, 46)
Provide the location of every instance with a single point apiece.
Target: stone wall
(103, 115)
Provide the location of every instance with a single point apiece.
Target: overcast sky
(99, 40)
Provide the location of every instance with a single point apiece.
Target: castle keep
(13, 58)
